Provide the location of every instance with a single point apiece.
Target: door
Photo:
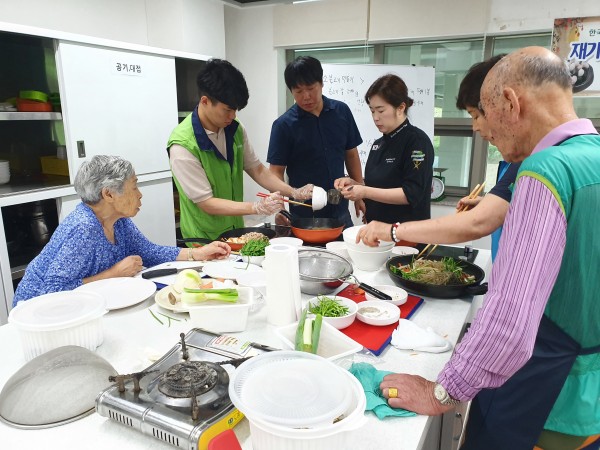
(117, 102)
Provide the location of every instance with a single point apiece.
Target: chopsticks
(474, 193)
(262, 194)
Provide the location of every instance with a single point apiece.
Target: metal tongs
(370, 289)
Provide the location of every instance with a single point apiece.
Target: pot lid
(290, 388)
(55, 388)
(57, 310)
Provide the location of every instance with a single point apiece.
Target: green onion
(328, 307)
(159, 321)
(202, 295)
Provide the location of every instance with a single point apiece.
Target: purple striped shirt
(501, 338)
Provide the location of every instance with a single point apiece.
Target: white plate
(121, 292)
(229, 269)
(387, 315)
(401, 250)
(162, 299)
(399, 295)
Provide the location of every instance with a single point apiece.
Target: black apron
(513, 415)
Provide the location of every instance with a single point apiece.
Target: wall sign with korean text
(577, 41)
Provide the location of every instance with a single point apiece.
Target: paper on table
(410, 336)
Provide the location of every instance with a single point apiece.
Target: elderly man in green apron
(531, 359)
(209, 152)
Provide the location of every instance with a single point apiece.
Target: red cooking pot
(315, 230)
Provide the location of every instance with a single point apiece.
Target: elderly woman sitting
(98, 239)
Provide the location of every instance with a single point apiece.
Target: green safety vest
(570, 171)
(226, 180)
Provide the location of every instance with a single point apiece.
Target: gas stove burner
(188, 379)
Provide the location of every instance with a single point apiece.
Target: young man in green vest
(209, 152)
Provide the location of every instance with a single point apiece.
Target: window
(466, 158)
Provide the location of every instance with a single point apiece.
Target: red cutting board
(372, 337)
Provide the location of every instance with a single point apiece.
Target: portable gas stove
(182, 398)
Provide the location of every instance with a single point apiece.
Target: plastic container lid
(57, 311)
(290, 388)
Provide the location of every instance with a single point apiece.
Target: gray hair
(535, 70)
(102, 172)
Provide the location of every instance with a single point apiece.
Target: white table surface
(132, 337)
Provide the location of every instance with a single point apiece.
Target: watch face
(439, 392)
(437, 188)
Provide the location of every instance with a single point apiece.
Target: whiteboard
(349, 83)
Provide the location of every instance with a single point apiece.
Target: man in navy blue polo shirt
(314, 139)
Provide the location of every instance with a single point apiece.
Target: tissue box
(51, 165)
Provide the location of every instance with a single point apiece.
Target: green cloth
(371, 378)
(226, 178)
(569, 171)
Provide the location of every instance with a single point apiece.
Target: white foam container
(58, 319)
(223, 317)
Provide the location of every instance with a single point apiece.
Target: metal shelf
(18, 271)
(4, 115)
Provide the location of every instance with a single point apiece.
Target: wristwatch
(442, 395)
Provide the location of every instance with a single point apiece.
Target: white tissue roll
(283, 284)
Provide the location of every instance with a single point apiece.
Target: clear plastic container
(58, 319)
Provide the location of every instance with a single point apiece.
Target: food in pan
(252, 236)
(443, 272)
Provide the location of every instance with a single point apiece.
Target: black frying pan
(236, 232)
(436, 290)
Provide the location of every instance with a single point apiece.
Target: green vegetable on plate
(328, 307)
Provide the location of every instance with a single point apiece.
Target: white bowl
(378, 312)
(287, 241)
(257, 260)
(399, 295)
(343, 321)
(319, 198)
(349, 235)
(401, 250)
(338, 247)
(368, 261)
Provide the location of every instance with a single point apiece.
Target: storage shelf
(18, 271)
(30, 115)
(21, 188)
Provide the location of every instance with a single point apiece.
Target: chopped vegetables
(328, 307)
(255, 247)
(443, 272)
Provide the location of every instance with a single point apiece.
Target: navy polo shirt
(313, 149)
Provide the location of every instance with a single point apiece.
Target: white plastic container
(267, 435)
(369, 261)
(223, 317)
(58, 319)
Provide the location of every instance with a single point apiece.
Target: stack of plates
(4, 172)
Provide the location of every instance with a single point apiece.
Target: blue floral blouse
(79, 249)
